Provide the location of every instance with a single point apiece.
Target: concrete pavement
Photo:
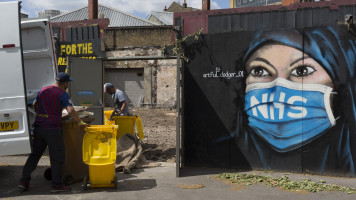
(160, 183)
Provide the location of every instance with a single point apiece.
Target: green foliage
(285, 183)
(163, 50)
(178, 45)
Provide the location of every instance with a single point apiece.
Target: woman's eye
(259, 71)
(303, 70)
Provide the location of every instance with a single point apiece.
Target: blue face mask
(288, 115)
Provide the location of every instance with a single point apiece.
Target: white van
(27, 64)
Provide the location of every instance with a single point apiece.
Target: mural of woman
(299, 104)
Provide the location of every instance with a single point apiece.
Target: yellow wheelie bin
(74, 169)
(126, 124)
(99, 152)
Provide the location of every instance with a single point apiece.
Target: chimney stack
(185, 4)
(205, 5)
(92, 9)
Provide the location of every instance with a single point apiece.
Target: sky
(140, 8)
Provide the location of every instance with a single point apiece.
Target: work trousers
(43, 137)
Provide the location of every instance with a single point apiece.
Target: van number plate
(9, 126)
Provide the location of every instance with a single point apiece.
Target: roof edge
(139, 18)
(108, 7)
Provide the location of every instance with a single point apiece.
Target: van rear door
(39, 58)
(14, 129)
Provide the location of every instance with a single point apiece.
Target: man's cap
(63, 77)
(107, 85)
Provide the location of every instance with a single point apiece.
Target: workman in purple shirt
(49, 104)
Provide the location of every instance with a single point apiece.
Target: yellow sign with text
(77, 49)
(63, 60)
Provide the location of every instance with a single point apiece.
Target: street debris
(193, 186)
(81, 110)
(284, 183)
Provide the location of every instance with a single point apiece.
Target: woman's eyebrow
(263, 60)
(299, 59)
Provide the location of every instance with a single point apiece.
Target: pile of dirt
(159, 127)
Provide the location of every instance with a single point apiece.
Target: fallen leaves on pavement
(193, 186)
(284, 183)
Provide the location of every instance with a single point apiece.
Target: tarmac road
(159, 183)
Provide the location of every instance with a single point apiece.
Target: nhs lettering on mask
(263, 107)
(282, 111)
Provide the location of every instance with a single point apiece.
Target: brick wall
(166, 82)
(116, 38)
(132, 52)
(159, 75)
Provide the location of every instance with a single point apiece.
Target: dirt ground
(159, 127)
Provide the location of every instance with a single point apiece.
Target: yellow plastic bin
(126, 124)
(74, 169)
(107, 115)
(99, 152)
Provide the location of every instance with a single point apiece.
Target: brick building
(157, 76)
(126, 39)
